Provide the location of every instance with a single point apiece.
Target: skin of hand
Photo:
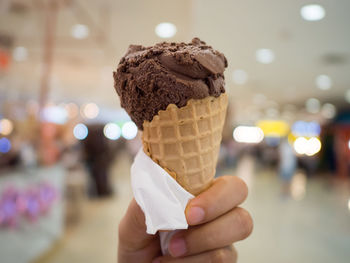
(215, 221)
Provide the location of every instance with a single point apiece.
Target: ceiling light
(80, 31)
(265, 56)
(20, 53)
(312, 12)
(328, 111)
(323, 82)
(347, 95)
(239, 76)
(165, 30)
(313, 105)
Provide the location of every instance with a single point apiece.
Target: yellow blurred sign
(274, 128)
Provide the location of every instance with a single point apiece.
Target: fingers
(134, 242)
(231, 227)
(227, 254)
(226, 193)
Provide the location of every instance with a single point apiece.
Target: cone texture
(186, 141)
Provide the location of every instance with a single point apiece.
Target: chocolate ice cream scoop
(148, 79)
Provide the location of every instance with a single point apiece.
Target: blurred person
(98, 158)
(228, 221)
(287, 165)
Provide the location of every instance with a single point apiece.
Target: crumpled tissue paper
(160, 197)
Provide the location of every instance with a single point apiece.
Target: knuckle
(245, 222)
(237, 182)
(221, 255)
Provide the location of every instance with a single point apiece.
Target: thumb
(134, 242)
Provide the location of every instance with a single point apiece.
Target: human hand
(215, 223)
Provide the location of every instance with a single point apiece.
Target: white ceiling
(82, 69)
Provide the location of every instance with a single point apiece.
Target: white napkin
(160, 197)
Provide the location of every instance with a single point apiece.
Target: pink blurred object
(30, 203)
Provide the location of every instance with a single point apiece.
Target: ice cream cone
(186, 141)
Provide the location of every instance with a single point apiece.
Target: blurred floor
(94, 239)
(313, 226)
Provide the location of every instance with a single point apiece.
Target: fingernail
(177, 247)
(195, 215)
(157, 260)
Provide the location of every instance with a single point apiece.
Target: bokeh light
(165, 30)
(6, 127)
(248, 134)
(239, 76)
(313, 146)
(20, 53)
(55, 114)
(72, 110)
(112, 131)
(265, 56)
(312, 12)
(323, 82)
(5, 145)
(306, 146)
(274, 128)
(308, 129)
(300, 145)
(80, 131)
(80, 31)
(90, 110)
(313, 105)
(129, 130)
(328, 111)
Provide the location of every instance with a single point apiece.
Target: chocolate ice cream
(148, 79)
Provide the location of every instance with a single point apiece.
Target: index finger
(226, 193)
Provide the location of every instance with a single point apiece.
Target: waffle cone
(186, 141)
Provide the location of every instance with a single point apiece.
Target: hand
(215, 223)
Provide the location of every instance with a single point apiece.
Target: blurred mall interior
(66, 145)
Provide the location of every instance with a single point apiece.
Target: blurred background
(66, 146)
